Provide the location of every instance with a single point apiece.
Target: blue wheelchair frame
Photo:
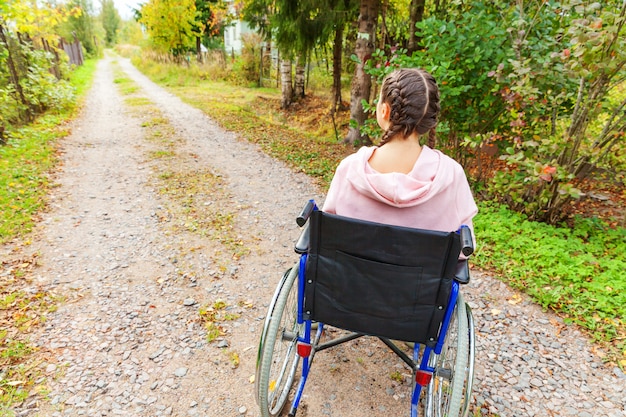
(308, 346)
(308, 359)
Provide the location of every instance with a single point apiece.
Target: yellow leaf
(251, 379)
(515, 299)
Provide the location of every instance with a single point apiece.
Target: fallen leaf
(515, 299)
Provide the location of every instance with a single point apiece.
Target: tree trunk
(285, 83)
(362, 82)
(337, 61)
(416, 12)
(300, 79)
(199, 49)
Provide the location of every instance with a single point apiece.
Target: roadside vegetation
(574, 268)
(28, 162)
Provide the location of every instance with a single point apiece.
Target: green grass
(28, 158)
(578, 273)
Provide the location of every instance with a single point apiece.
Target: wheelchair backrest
(378, 279)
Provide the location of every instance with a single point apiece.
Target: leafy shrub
(246, 67)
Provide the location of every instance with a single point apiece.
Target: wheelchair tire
(470, 362)
(447, 389)
(278, 359)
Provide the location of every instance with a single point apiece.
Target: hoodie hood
(428, 177)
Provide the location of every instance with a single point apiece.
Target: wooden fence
(73, 50)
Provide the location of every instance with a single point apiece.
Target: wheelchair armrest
(462, 274)
(302, 246)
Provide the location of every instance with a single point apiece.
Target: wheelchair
(369, 279)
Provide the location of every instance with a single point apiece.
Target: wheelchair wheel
(470, 362)
(449, 389)
(278, 359)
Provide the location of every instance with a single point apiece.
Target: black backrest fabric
(377, 279)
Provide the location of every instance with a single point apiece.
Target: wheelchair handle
(306, 213)
(467, 243)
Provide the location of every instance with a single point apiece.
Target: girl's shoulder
(363, 153)
(442, 157)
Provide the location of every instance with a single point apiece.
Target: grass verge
(199, 198)
(27, 160)
(26, 163)
(578, 273)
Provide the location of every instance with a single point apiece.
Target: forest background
(533, 106)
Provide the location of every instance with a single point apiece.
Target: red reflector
(423, 377)
(304, 349)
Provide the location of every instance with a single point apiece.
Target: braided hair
(413, 96)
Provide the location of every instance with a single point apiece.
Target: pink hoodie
(435, 195)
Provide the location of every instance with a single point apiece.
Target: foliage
(460, 52)
(111, 22)
(82, 25)
(171, 25)
(564, 121)
(246, 67)
(540, 80)
(577, 272)
(35, 19)
(131, 34)
(213, 17)
(39, 90)
(28, 62)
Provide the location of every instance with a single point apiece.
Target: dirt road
(130, 340)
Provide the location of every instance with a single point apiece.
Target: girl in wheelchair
(382, 259)
(400, 181)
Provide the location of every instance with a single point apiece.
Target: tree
(110, 21)
(416, 14)
(26, 85)
(342, 12)
(362, 82)
(211, 18)
(295, 27)
(81, 25)
(583, 65)
(171, 24)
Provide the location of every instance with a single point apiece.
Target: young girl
(401, 182)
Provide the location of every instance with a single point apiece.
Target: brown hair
(413, 96)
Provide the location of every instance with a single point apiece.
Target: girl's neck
(397, 155)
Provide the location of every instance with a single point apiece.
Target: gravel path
(129, 340)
